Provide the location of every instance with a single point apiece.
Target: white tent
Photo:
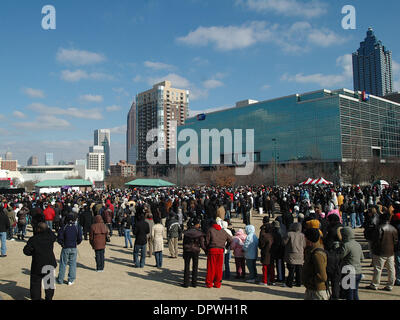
(316, 181)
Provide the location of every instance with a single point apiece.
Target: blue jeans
(360, 218)
(3, 239)
(352, 294)
(227, 270)
(353, 219)
(228, 215)
(127, 235)
(22, 230)
(397, 265)
(159, 257)
(142, 249)
(50, 224)
(251, 265)
(68, 257)
(99, 259)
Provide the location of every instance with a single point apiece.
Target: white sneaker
(265, 284)
(71, 283)
(12, 239)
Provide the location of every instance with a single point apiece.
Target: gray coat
(350, 250)
(295, 243)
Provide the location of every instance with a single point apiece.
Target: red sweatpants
(215, 261)
(268, 272)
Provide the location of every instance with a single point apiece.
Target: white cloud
(212, 84)
(177, 81)
(138, 78)
(295, 38)
(265, 87)
(158, 65)
(91, 98)
(326, 80)
(33, 93)
(121, 91)
(119, 130)
(19, 114)
(77, 75)
(44, 122)
(289, 8)
(92, 114)
(113, 108)
(200, 61)
(79, 57)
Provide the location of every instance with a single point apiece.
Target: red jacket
(49, 214)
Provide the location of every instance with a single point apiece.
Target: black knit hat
(312, 235)
(265, 220)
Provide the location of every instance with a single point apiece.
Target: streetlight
(275, 180)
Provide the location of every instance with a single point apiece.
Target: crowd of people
(307, 237)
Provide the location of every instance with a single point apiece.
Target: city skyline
(85, 74)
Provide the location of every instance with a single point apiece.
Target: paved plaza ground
(121, 281)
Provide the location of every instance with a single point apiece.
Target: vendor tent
(64, 183)
(149, 183)
(381, 183)
(318, 181)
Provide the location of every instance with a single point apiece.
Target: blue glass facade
(321, 126)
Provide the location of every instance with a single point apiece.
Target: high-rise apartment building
(372, 67)
(49, 159)
(33, 161)
(131, 141)
(156, 109)
(96, 158)
(102, 137)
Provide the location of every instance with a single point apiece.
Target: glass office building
(322, 127)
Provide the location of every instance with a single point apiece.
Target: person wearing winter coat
(193, 241)
(126, 228)
(150, 221)
(22, 221)
(227, 253)
(85, 221)
(295, 243)
(49, 215)
(173, 232)
(108, 216)
(314, 275)
(351, 253)
(141, 231)
(384, 242)
(395, 222)
(98, 238)
(13, 222)
(278, 250)
(250, 248)
(4, 226)
(216, 239)
(265, 242)
(69, 237)
(238, 252)
(157, 234)
(41, 248)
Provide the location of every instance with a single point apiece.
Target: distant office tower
(102, 137)
(33, 161)
(131, 141)
(372, 67)
(8, 156)
(49, 159)
(96, 158)
(156, 108)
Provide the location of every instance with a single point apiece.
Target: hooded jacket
(70, 235)
(295, 243)
(98, 234)
(250, 246)
(314, 275)
(237, 243)
(265, 243)
(350, 250)
(216, 237)
(385, 240)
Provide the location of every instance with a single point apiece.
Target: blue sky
(58, 86)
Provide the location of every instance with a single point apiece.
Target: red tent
(316, 181)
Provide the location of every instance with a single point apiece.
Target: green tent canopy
(149, 183)
(64, 183)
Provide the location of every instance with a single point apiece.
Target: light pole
(274, 141)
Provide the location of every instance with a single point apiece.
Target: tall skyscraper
(33, 161)
(102, 137)
(49, 159)
(372, 67)
(131, 141)
(156, 108)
